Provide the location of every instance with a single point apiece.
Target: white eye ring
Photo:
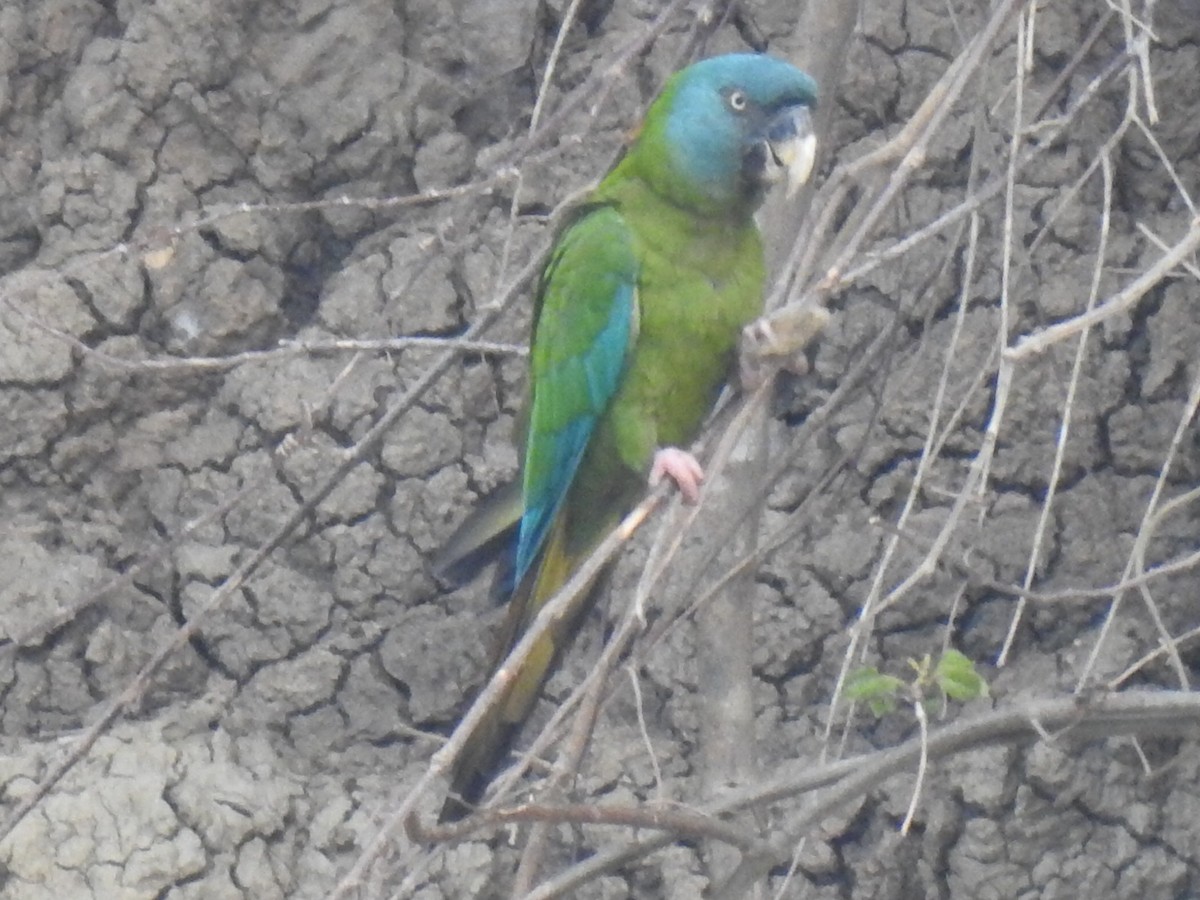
(737, 101)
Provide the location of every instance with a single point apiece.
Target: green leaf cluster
(953, 677)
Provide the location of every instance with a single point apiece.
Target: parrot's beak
(792, 146)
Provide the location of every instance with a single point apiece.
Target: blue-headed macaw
(637, 320)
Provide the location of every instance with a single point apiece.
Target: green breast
(697, 290)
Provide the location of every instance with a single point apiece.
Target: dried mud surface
(262, 757)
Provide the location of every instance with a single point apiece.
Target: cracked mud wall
(149, 452)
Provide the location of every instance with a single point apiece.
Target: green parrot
(637, 320)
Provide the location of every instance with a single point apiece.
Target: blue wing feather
(582, 338)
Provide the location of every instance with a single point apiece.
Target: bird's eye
(737, 101)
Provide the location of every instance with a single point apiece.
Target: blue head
(725, 128)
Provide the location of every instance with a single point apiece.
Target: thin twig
(1064, 429)
(922, 766)
(1119, 303)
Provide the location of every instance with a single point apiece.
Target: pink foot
(682, 468)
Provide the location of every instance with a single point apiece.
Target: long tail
(492, 738)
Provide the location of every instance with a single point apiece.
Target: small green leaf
(875, 689)
(956, 676)
(881, 706)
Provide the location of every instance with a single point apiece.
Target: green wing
(586, 323)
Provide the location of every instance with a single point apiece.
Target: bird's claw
(779, 342)
(682, 468)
